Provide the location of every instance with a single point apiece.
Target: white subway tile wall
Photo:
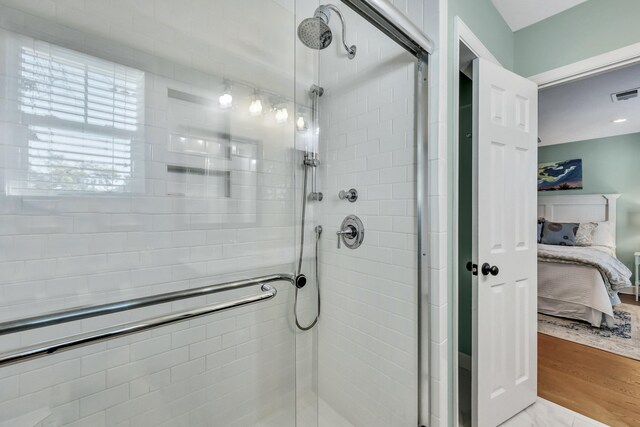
(368, 348)
(216, 215)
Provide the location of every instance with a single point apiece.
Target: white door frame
(598, 64)
(461, 33)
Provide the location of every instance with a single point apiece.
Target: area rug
(622, 339)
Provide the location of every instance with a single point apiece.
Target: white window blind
(85, 122)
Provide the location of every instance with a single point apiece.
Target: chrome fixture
(351, 232)
(315, 32)
(318, 231)
(316, 196)
(311, 157)
(350, 195)
(310, 160)
(86, 312)
(300, 281)
(317, 90)
(81, 340)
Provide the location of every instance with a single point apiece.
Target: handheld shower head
(315, 32)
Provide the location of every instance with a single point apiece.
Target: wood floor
(629, 299)
(601, 385)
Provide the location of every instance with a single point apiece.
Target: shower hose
(304, 213)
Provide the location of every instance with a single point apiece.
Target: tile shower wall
(181, 230)
(368, 334)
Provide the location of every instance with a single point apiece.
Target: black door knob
(473, 268)
(488, 269)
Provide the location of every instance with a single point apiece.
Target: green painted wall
(609, 165)
(487, 24)
(589, 29)
(465, 215)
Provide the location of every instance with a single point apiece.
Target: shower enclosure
(211, 214)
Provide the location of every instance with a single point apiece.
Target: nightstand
(637, 257)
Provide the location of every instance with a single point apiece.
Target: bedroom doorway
(495, 247)
(586, 383)
(589, 316)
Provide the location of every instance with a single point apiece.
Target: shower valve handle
(350, 195)
(349, 231)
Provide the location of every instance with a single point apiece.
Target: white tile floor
(541, 414)
(547, 414)
(312, 412)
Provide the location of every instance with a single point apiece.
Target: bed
(567, 285)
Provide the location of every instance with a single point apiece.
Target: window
(84, 117)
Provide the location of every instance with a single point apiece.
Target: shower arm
(350, 50)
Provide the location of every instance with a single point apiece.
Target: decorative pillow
(540, 224)
(603, 235)
(559, 233)
(584, 236)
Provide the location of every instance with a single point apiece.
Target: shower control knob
(350, 195)
(351, 232)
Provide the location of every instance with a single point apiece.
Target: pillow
(603, 235)
(584, 236)
(540, 224)
(559, 233)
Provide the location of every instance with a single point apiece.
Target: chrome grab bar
(88, 338)
(80, 313)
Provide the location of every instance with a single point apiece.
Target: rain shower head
(315, 32)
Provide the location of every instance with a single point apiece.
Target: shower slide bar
(88, 338)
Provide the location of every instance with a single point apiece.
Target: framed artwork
(564, 175)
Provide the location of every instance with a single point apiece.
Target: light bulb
(619, 120)
(255, 109)
(282, 115)
(225, 100)
(301, 124)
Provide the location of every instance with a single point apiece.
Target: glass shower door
(147, 147)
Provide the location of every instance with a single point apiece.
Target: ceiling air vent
(624, 95)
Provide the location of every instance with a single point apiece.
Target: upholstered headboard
(580, 208)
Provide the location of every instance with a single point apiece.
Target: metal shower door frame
(421, 136)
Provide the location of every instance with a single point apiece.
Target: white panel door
(505, 290)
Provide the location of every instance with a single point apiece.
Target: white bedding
(575, 291)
